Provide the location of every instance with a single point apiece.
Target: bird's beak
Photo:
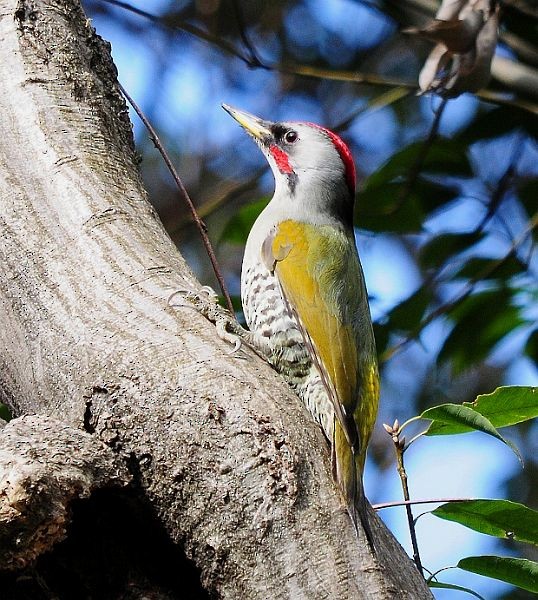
(256, 127)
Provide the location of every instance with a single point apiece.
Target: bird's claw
(201, 299)
(204, 301)
(228, 336)
(209, 292)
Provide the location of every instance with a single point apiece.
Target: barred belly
(267, 314)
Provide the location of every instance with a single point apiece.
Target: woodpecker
(303, 291)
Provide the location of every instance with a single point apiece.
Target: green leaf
(451, 586)
(382, 335)
(507, 405)
(494, 123)
(528, 193)
(481, 321)
(390, 206)
(445, 246)
(531, 347)
(433, 194)
(457, 414)
(520, 572)
(407, 315)
(382, 209)
(489, 268)
(238, 228)
(444, 156)
(500, 518)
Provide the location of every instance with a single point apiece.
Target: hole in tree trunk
(115, 549)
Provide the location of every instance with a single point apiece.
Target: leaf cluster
(503, 519)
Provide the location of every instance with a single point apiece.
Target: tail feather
(348, 465)
(359, 512)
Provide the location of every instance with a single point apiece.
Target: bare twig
(383, 505)
(524, 49)
(384, 99)
(199, 223)
(221, 43)
(502, 99)
(247, 42)
(415, 169)
(226, 192)
(503, 185)
(399, 449)
(349, 76)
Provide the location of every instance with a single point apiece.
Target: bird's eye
(291, 136)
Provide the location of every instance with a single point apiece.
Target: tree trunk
(138, 405)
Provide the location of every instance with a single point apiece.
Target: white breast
(267, 314)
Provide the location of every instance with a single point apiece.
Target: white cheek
(317, 162)
(314, 150)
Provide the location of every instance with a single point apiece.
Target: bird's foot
(205, 302)
(228, 328)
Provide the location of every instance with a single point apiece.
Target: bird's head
(312, 166)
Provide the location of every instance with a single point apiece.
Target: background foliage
(446, 212)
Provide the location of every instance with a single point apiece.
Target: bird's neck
(313, 199)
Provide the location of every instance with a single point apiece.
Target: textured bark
(216, 444)
(45, 465)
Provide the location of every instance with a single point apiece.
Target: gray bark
(45, 465)
(220, 447)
